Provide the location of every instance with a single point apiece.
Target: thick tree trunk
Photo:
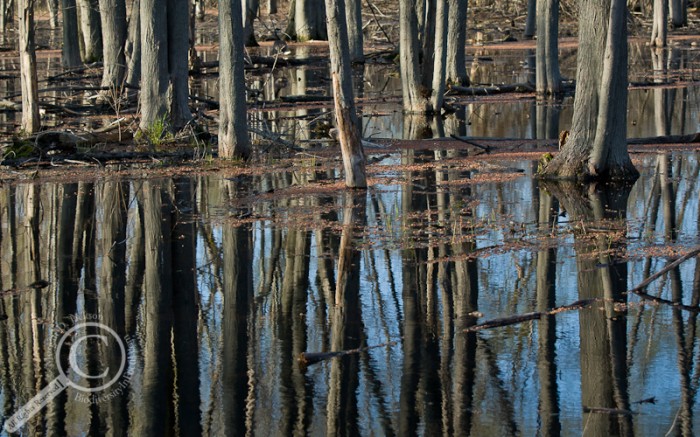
(113, 20)
(90, 30)
(595, 117)
(307, 20)
(353, 15)
(548, 75)
(154, 62)
(440, 56)
(233, 132)
(659, 28)
(133, 46)
(415, 95)
(70, 55)
(345, 113)
(456, 41)
(609, 157)
(27, 59)
(178, 48)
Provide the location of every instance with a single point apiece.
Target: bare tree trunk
(456, 42)
(200, 7)
(345, 113)
(250, 13)
(154, 62)
(307, 20)
(113, 16)
(679, 12)
(178, 47)
(414, 93)
(353, 15)
(233, 133)
(440, 56)
(659, 29)
(132, 48)
(271, 7)
(27, 58)
(53, 7)
(70, 55)
(600, 104)
(531, 19)
(90, 30)
(548, 75)
(609, 157)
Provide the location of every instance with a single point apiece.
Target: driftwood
(309, 358)
(489, 90)
(580, 304)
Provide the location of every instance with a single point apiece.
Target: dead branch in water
(309, 358)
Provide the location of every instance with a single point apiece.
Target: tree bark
(530, 20)
(659, 29)
(596, 118)
(415, 96)
(609, 157)
(113, 20)
(233, 133)
(440, 56)
(154, 62)
(456, 42)
(178, 48)
(679, 13)
(250, 12)
(548, 75)
(132, 48)
(70, 55)
(349, 133)
(90, 30)
(307, 20)
(353, 16)
(53, 7)
(27, 56)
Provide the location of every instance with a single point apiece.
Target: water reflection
(217, 296)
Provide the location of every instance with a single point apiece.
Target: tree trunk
(271, 7)
(154, 62)
(307, 20)
(548, 76)
(597, 118)
(70, 55)
(440, 56)
(178, 48)
(27, 59)
(353, 15)
(609, 157)
(679, 13)
(659, 28)
(113, 20)
(250, 12)
(90, 30)
(233, 133)
(530, 20)
(349, 132)
(415, 95)
(132, 47)
(53, 7)
(456, 41)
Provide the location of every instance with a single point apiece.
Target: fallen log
(489, 90)
(309, 358)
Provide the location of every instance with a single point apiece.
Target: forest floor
(81, 135)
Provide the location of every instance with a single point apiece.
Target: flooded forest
(162, 290)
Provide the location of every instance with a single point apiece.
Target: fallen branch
(580, 304)
(489, 90)
(471, 143)
(309, 358)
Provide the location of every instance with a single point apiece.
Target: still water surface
(218, 285)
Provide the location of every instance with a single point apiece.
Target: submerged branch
(309, 358)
